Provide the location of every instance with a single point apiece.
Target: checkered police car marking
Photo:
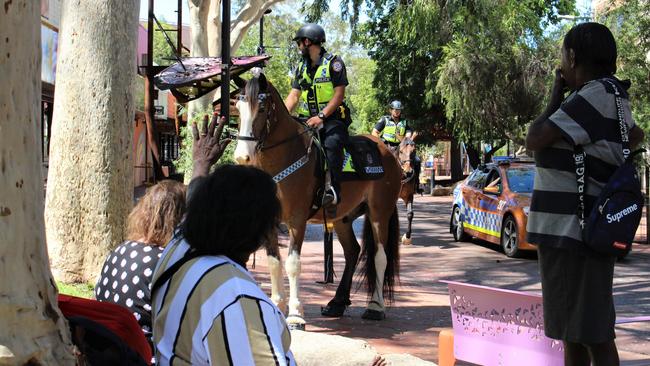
(482, 221)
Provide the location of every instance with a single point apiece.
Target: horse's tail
(391, 248)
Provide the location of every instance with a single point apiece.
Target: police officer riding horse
(318, 91)
(392, 128)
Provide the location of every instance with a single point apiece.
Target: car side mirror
(491, 190)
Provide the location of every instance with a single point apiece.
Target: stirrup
(330, 198)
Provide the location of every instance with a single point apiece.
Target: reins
(260, 140)
(271, 115)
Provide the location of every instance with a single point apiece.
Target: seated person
(126, 275)
(207, 308)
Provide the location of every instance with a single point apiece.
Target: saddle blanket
(361, 160)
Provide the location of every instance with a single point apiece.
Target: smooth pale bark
(205, 22)
(90, 184)
(32, 329)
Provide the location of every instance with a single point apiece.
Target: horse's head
(407, 154)
(256, 105)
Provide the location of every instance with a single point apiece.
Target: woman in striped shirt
(576, 283)
(207, 308)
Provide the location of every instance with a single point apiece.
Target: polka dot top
(126, 280)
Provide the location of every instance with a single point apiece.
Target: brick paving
(421, 307)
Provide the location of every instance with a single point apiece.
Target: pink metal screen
(500, 327)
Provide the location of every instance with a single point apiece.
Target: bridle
(409, 160)
(262, 100)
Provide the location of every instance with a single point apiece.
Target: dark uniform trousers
(334, 135)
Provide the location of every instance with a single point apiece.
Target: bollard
(446, 348)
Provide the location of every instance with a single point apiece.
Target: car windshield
(521, 179)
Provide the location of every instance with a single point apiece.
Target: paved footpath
(421, 307)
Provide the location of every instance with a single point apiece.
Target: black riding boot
(334, 135)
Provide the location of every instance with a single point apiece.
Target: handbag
(611, 225)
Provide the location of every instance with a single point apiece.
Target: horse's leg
(385, 237)
(406, 239)
(376, 307)
(295, 318)
(278, 295)
(344, 231)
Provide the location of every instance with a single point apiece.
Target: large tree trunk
(205, 21)
(455, 159)
(474, 155)
(33, 331)
(90, 185)
(199, 11)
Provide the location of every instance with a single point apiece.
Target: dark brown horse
(406, 156)
(271, 139)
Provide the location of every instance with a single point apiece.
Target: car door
(491, 207)
(471, 197)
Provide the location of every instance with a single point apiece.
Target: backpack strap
(579, 157)
(625, 136)
(169, 272)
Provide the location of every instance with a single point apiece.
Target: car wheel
(510, 237)
(457, 226)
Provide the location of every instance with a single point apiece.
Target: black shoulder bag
(611, 225)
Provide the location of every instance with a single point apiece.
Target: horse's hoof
(296, 326)
(406, 241)
(333, 310)
(295, 322)
(370, 314)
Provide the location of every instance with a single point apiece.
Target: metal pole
(328, 258)
(179, 49)
(179, 32)
(149, 90)
(260, 49)
(647, 203)
(225, 60)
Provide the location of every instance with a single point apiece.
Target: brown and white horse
(406, 156)
(271, 139)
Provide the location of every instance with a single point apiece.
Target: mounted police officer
(392, 128)
(318, 90)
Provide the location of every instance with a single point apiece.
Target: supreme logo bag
(610, 227)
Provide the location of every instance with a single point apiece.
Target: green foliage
(630, 23)
(85, 290)
(482, 67)
(163, 53)
(278, 34)
(362, 96)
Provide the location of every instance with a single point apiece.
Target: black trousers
(334, 135)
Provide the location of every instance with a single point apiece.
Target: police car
(492, 204)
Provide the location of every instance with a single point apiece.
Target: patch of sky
(584, 12)
(338, 31)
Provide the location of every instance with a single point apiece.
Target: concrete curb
(318, 349)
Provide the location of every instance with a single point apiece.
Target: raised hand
(208, 146)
